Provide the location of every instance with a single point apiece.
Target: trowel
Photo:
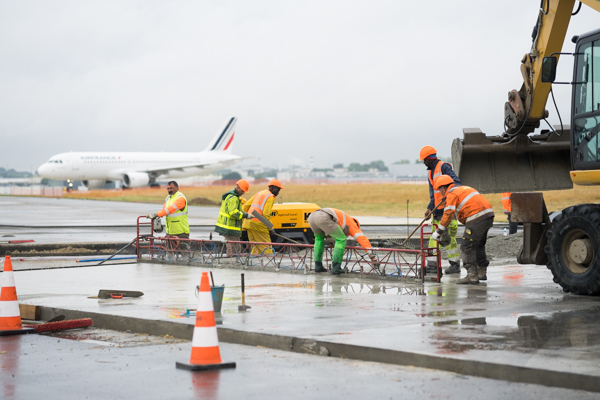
(269, 226)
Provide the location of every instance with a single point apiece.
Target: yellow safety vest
(177, 222)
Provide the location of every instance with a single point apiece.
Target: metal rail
(404, 264)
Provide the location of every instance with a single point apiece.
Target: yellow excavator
(567, 241)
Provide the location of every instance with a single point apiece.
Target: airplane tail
(222, 140)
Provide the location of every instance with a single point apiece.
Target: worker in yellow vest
(175, 211)
(262, 202)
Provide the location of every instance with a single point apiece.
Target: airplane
(139, 169)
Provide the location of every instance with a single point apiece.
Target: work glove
(152, 216)
(247, 216)
(436, 236)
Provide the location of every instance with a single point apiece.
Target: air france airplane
(95, 169)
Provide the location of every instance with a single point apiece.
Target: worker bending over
(450, 251)
(262, 202)
(475, 212)
(506, 205)
(229, 223)
(338, 225)
(175, 210)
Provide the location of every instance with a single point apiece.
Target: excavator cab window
(586, 107)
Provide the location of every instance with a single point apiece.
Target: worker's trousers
(450, 252)
(259, 233)
(321, 223)
(473, 244)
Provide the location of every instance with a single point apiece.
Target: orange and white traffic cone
(10, 316)
(205, 342)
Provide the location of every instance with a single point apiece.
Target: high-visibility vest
(506, 202)
(467, 203)
(260, 199)
(437, 195)
(349, 226)
(230, 216)
(177, 222)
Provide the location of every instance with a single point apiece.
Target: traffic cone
(205, 342)
(10, 315)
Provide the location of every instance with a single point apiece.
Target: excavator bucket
(492, 164)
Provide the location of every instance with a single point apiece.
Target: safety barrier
(405, 264)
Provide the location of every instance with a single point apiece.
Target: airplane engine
(136, 179)
(95, 183)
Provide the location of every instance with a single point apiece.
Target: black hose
(562, 128)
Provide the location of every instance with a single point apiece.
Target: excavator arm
(516, 160)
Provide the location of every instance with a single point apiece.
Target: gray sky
(342, 81)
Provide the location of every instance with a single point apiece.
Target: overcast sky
(341, 81)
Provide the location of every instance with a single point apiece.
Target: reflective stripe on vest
(479, 214)
(437, 195)
(260, 199)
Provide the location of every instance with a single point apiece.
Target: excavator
(525, 163)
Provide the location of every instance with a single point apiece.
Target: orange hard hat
(244, 185)
(442, 180)
(426, 151)
(275, 182)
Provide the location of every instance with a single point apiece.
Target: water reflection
(206, 384)
(572, 329)
(9, 364)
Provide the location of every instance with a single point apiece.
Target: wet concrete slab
(519, 317)
(113, 365)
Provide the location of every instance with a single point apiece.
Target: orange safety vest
(260, 199)
(467, 203)
(349, 226)
(437, 195)
(506, 202)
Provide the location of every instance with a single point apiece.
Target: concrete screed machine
(567, 241)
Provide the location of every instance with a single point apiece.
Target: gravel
(503, 247)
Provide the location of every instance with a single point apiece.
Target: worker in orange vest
(512, 226)
(475, 212)
(338, 225)
(262, 202)
(448, 246)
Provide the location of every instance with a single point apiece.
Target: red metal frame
(399, 263)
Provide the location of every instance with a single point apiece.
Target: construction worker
(176, 212)
(229, 223)
(262, 202)
(475, 212)
(512, 226)
(338, 225)
(450, 251)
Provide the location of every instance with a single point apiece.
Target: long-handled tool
(403, 244)
(120, 250)
(243, 307)
(269, 226)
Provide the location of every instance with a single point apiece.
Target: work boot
(336, 268)
(482, 273)
(319, 267)
(471, 277)
(454, 268)
(431, 268)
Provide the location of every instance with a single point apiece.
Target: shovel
(269, 226)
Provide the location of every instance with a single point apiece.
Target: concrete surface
(518, 322)
(116, 366)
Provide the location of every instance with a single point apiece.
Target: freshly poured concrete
(518, 318)
(42, 367)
